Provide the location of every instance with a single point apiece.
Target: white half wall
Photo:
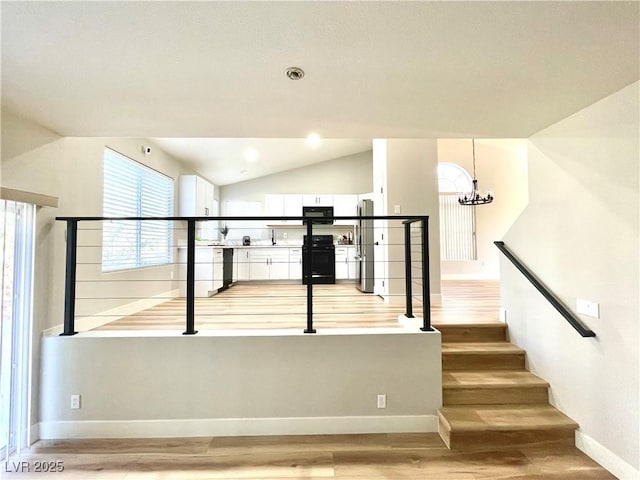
(580, 236)
(259, 383)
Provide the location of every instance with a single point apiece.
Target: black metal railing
(546, 293)
(72, 224)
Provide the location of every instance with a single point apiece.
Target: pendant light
(474, 197)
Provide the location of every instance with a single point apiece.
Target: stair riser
(453, 333)
(496, 439)
(495, 396)
(498, 361)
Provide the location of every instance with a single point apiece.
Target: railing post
(191, 277)
(70, 279)
(426, 287)
(309, 277)
(407, 269)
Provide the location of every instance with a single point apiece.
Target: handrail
(546, 293)
(72, 230)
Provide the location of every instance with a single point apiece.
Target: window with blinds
(134, 190)
(457, 222)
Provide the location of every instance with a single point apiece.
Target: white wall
(209, 384)
(37, 160)
(412, 184)
(501, 166)
(579, 235)
(350, 174)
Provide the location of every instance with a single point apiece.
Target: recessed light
(251, 154)
(294, 73)
(313, 140)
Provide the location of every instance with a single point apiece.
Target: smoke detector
(294, 73)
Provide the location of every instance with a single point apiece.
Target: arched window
(457, 222)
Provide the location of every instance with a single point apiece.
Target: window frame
(144, 178)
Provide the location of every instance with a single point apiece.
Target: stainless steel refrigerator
(365, 247)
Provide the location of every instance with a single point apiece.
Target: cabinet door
(279, 264)
(243, 260)
(342, 271)
(218, 268)
(345, 206)
(293, 208)
(203, 271)
(317, 199)
(260, 260)
(274, 207)
(295, 264)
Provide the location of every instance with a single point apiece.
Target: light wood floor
(341, 457)
(283, 306)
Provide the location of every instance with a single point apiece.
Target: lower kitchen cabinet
(269, 264)
(208, 270)
(345, 262)
(295, 263)
(241, 264)
(255, 263)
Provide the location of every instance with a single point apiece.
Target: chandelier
(474, 197)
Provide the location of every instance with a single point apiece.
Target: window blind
(457, 229)
(133, 190)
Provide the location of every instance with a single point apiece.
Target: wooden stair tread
(480, 348)
(488, 379)
(504, 417)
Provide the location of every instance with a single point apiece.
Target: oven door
(323, 265)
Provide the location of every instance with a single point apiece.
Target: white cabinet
(316, 199)
(345, 206)
(295, 263)
(283, 205)
(218, 268)
(196, 197)
(269, 263)
(345, 262)
(242, 262)
(208, 271)
(293, 208)
(290, 205)
(274, 206)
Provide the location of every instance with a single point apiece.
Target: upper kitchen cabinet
(196, 197)
(290, 205)
(311, 200)
(283, 205)
(345, 206)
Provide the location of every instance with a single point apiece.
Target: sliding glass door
(16, 249)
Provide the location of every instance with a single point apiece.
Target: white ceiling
(373, 69)
(224, 160)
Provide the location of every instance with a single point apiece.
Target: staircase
(489, 398)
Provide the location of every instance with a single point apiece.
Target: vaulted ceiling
(372, 69)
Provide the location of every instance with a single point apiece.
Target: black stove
(323, 262)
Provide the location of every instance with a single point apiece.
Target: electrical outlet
(171, 275)
(284, 235)
(396, 209)
(75, 401)
(382, 401)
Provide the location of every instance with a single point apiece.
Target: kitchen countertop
(277, 245)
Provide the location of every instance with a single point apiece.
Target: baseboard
(84, 324)
(34, 434)
(470, 276)
(606, 457)
(228, 427)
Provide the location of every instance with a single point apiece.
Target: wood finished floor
(342, 457)
(283, 306)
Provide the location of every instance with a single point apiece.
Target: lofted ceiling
(373, 69)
